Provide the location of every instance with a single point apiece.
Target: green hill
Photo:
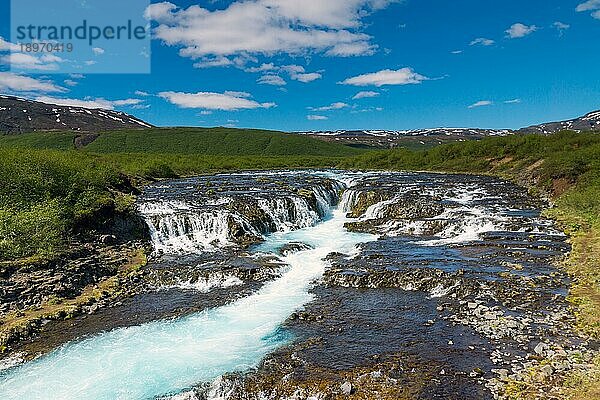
(189, 141)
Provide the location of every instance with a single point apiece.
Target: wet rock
(293, 247)
(346, 388)
(541, 348)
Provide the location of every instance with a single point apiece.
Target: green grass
(40, 140)
(189, 141)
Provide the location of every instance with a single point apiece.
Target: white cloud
(456, 52)
(267, 27)
(270, 79)
(589, 5)
(333, 106)
(141, 93)
(211, 62)
(596, 14)
(306, 78)
(8, 46)
(403, 76)
(519, 30)
(561, 27)
(127, 102)
(228, 101)
(316, 117)
(88, 102)
(365, 94)
(482, 42)
(70, 82)
(513, 101)
(28, 61)
(295, 72)
(263, 68)
(98, 50)
(46, 62)
(481, 103)
(20, 83)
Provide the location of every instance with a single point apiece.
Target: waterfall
(349, 199)
(193, 225)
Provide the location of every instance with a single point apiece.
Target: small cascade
(289, 213)
(349, 199)
(200, 222)
(377, 210)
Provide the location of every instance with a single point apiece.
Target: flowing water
(165, 357)
(420, 243)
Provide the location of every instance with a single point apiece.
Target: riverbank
(564, 168)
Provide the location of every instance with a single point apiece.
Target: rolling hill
(183, 141)
(20, 116)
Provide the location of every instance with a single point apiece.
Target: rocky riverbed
(459, 298)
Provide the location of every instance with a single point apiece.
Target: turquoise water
(166, 357)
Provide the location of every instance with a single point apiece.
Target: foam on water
(167, 357)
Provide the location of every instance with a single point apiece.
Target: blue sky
(291, 65)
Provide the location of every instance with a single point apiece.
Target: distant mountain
(588, 122)
(457, 132)
(419, 138)
(20, 116)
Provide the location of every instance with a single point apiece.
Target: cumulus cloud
(298, 73)
(365, 94)
(403, 76)
(333, 106)
(316, 117)
(88, 102)
(270, 79)
(27, 61)
(482, 42)
(513, 101)
(45, 62)
(519, 30)
(590, 5)
(98, 50)
(481, 103)
(19, 83)
(266, 27)
(227, 101)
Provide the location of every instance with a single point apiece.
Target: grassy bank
(51, 190)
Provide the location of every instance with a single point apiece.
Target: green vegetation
(40, 140)
(189, 141)
(50, 190)
(45, 194)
